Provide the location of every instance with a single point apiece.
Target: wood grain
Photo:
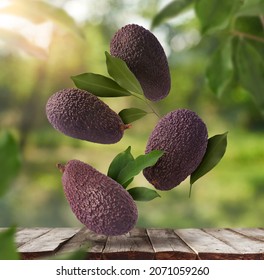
(207, 246)
(87, 240)
(133, 245)
(247, 247)
(168, 246)
(253, 233)
(160, 244)
(47, 243)
(25, 235)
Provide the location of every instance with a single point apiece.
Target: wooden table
(161, 244)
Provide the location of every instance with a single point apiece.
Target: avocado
(79, 114)
(145, 57)
(99, 202)
(183, 137)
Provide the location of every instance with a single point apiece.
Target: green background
(231, 195)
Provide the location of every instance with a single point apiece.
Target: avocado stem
(61, 167)
(190, 191)
(126, 126)
(148, 104)
(152, 109)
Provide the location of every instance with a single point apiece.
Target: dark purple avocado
(183, 137)
(99, 202)
(79, 114)
(145, 57)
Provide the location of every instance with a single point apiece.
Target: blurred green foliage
(7, 245)
(231, 195)
(10, 160)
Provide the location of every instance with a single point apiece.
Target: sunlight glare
(38, 35)
(4, 3)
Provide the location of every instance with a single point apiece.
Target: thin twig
(246, 35)
(152, 109)
(148, 104)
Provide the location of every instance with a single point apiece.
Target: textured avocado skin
(79, 114)
(145, 57)
(99, 202)
(182, 135)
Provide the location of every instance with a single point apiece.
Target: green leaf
(99, 85)
(214, 14)
(143, 194)
(252, 7)
(120, 72)
(216, 148)
(126, 184)
(132, 114)
(10, 159)
(8, 249)
(220, 70)
(250, 67)
(119, 163)
(258, 46)
(133, 168)
(171, 10)
(250, 25)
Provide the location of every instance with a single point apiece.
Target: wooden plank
(237, 243)
(248, 248)
(253, 233)
(46, 244)
(168, 246)
(206, 246)
(87, 240)
(133, 245)
(24, 235)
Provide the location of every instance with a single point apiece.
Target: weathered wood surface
(169, 246)
(164, 244)
(205, 245)
(133, 245)
(43, 243)
(86, 240)
(247, 246)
